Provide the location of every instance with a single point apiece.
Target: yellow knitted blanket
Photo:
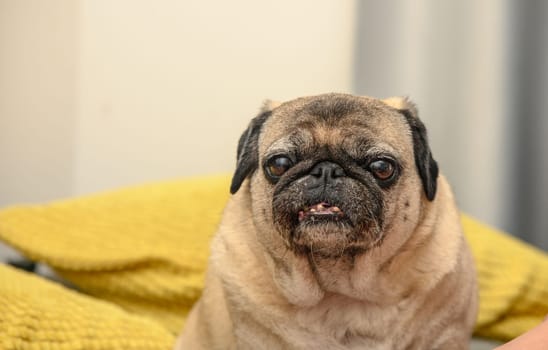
(137, 258)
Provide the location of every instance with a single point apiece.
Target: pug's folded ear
(402, 103)
(427, 167)
(248, 146)
(269, 105)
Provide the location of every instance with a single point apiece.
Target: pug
(340, 234)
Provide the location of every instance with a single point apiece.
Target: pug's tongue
(322, 208)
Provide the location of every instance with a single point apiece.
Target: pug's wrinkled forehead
(337, 121)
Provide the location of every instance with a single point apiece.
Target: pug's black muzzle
(324, 205)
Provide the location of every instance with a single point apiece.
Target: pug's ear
(269, 105)
(248, 146)
(427, 167)
(402, 103)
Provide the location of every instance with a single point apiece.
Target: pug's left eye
(276, 166)
(382, 169)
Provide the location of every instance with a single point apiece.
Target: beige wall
(38, 63)
(99, 94)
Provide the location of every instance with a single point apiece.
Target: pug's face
(333, 174)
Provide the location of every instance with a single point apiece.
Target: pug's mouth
(320, 212)
(325, 229)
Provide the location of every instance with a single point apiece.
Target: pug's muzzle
(325, 208)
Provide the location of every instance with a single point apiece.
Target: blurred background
(97, 94)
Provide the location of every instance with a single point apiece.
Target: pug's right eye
(276, 166)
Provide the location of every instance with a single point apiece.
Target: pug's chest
(351, 325)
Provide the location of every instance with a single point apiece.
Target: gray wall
(478, 71)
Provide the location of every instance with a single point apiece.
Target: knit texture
(513, 282)
(37, 314)
(138, 255)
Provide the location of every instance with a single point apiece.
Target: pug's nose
(327, 171)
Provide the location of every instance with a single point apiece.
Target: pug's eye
(276, 166)
(382, 169)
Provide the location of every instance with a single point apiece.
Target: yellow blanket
(137, 257)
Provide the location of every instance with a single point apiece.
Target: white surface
(482, 344)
